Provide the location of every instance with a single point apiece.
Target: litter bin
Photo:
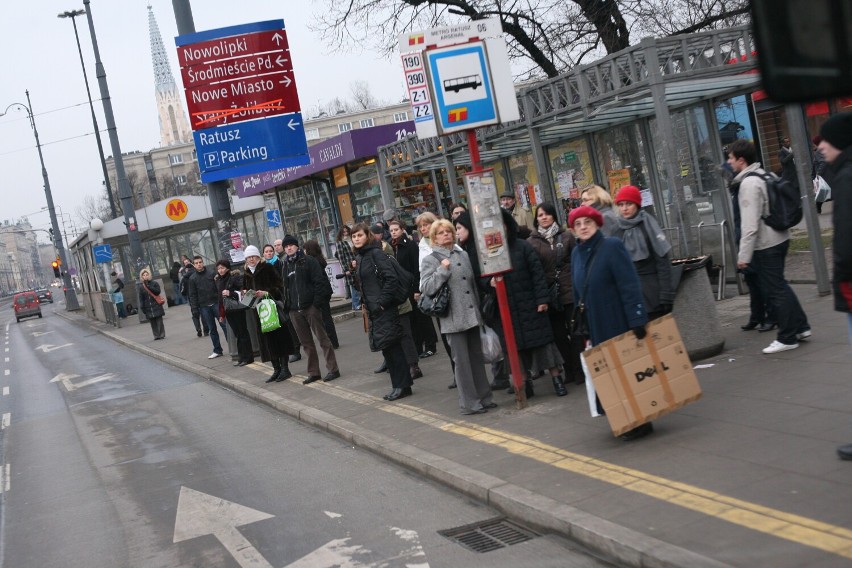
(695, 308)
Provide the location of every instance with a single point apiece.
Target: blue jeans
(356, 299)
(209, 315)
(781, 300)
(179, 300)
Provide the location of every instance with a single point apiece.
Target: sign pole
(502, 299)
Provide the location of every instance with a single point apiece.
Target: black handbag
(437, 305)
(488, 308)
(232, 305)
(579, 319)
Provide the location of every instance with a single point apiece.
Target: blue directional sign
(103, 253)
(461, 83)
(273, 218)
(242, 99)
(251, 147)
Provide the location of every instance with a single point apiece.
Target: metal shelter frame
(648, 80)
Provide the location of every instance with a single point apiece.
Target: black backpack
(406, 287)
(785, 202)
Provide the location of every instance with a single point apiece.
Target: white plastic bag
(822, 191)
(492, 351)
(590, 386)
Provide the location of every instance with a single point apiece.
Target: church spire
(174, 127)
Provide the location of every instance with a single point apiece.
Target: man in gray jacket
(764, 249)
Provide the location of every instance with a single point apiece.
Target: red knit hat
(585, 211)
(629, 193)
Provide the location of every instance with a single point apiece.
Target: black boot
(382, 368)
(276, 366)
(415, 371)
(559, 386)
(528, 388)
(284, 371)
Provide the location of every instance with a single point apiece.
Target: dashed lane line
(5, 391)
(795, 528)
(7, 419)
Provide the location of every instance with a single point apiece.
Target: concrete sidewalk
(747, 476)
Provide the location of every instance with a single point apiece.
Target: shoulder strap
(592, 257)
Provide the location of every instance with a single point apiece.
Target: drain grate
(489, 535)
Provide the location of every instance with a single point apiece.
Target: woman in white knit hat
(275, 346)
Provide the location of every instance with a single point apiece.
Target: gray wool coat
(464, 300)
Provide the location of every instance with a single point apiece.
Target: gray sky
(40, 55)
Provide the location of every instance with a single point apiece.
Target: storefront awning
(336, 151)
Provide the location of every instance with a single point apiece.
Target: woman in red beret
(607, 292)
(648, 248)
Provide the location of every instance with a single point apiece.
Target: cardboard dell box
(638, 381)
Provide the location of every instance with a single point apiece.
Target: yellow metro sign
(176, 209)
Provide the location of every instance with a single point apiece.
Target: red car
(26, 304)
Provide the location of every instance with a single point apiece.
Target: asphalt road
(112, 459)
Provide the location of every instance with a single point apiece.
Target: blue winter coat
(613, 297)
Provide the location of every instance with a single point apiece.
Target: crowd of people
(607, 273)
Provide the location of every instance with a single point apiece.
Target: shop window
(413, 194)
(366, 194)
(366, 122)
(400, 117)
(312, 134)
(344, 127)
(524, 180)
(571, 168)
(620, 151)
(301, 216)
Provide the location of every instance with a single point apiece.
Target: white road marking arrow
(333, 554)
(47, 348)
(200, 514)
(292, 124)
(333, 515)
(277, 38)
(65, 379)
(40, 333)
(69, 386)
(286, 82)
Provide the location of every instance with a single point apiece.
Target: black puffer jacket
(841, 192)
(305, 283)
(147, 304)
(556, 257)
(202, 289)
(376, 279)
(526, 288)
(407, 254)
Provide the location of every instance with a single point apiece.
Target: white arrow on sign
(286, 82)
(277, 38)
(200, 514)
(293, 124)
(281, 61)
(47, 348)
(69, 386)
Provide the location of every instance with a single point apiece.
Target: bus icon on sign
(459, 83)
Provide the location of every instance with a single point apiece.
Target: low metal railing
(110, 311)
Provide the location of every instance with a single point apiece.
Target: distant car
(26, 305)
(44, 295)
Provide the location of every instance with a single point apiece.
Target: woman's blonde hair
(598, 194)
(427, 217)
(437, 226)
(143, 272)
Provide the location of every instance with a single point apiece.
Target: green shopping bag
(267, 313)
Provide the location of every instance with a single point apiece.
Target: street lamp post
(73, 15)
(71, 303)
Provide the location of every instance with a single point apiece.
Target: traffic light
(55, 265)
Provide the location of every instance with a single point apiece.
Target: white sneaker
(214, 355)
(804, 336)
(777, 347)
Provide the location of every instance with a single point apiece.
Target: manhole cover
(489, 535)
